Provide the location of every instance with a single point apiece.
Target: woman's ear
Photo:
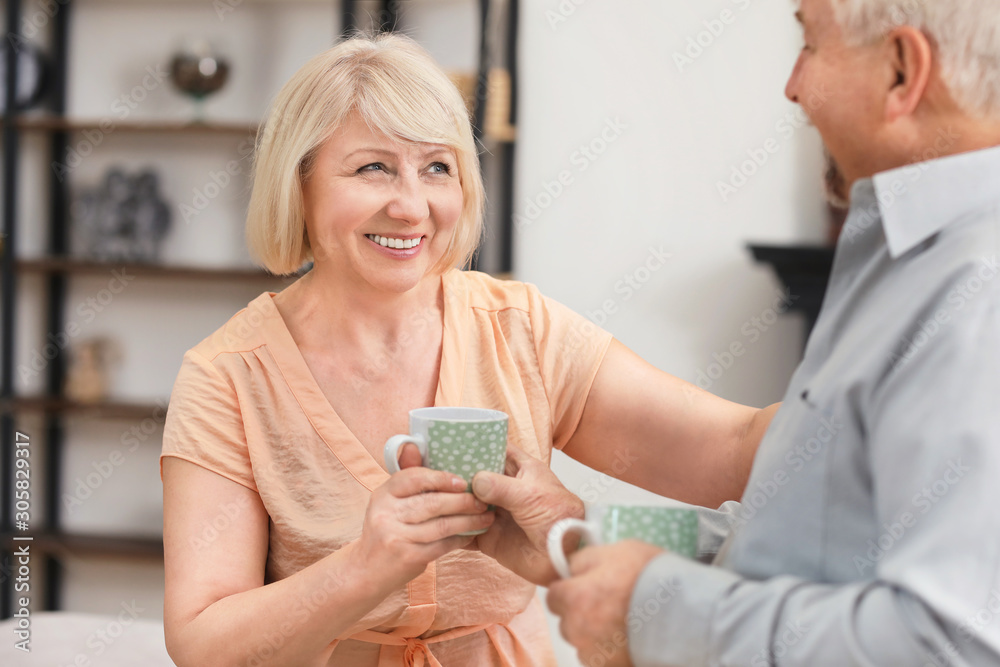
(912, 60)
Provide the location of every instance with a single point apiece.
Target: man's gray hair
(966, 34)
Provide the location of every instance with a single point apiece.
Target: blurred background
(634, 151)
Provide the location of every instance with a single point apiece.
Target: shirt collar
(919, 200)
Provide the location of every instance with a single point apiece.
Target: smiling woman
(366, 166)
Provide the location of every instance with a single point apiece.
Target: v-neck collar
(344, 444)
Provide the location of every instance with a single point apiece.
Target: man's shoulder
(965, 256)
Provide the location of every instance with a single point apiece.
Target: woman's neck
(323, 307)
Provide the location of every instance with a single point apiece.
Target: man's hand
(529, 499)
(594, 603)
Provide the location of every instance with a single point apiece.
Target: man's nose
(792, 86)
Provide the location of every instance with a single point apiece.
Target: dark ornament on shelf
(32, 71)
(124, 220)
(199, 72)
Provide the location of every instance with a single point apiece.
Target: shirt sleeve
(714, 526)
(927, 591)
(204, 423)
(570, 349)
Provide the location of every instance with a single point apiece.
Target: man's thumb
(490, 487)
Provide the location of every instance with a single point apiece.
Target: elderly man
(870, 528)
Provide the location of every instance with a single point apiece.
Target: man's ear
(912, 60)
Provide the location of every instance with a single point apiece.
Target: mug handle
(555, 541)
(391, 451)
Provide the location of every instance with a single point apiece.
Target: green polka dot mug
(673, 528)
(461, 441)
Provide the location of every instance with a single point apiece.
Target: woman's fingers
(416, 517)
(412, 481)
(445, 527)
(426, 506)
(436, 501)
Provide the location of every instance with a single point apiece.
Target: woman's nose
(409, 201)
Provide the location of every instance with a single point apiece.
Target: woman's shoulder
(244, 331)
(486, 292)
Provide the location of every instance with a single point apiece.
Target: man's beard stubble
(834, 182)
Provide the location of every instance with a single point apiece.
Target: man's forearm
(685, 614)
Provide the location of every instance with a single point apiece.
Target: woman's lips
(399, 248)
(399, 243)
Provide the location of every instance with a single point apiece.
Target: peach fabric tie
(418, 652)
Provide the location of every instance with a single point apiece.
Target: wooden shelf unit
(57, 543)
(60, 265)
(99, 410)
(56, 124)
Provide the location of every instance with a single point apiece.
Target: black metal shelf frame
(7, 302)
(58, 245)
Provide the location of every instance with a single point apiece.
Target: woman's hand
(414, 519)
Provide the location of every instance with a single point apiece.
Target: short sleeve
(204, 423)
(570, 349)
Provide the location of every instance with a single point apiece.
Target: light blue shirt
(869, 532)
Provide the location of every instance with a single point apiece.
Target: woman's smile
(397, 247)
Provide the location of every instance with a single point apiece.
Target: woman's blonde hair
(398, 89)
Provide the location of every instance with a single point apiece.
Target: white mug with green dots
(672, 528)
(461, 441)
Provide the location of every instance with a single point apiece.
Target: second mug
(673, 528)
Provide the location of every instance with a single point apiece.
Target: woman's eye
(440, 168)
(375, 166)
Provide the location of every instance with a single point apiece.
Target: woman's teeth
(395, 243)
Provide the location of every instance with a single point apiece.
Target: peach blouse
(246, 407)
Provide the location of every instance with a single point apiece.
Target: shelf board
(70, 544)
(102, 410)
(56, 124)
(497, 131)
(806, 258)
(804, 270)
(192, 2)
(83, 266)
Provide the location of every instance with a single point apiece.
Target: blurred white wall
(625, 132)
(605, 76)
